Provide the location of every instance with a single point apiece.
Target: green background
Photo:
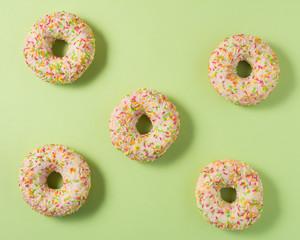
(164, 45)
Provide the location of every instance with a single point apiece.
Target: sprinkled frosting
(222, 70)
(33, 180)
(38, 48)
(163, 115)
(247, 207)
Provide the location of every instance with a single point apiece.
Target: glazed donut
(222, 70)
(38, 48)
(165, 121)
(247, 207)
(33, 180)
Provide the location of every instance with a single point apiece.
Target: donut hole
(144, 125)
(55, 180)
(243, 69)
(228, 194)
(59, 48)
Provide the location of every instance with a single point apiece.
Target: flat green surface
(164, 45)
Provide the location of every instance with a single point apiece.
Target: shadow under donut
(285, 85)
(271, 209)
(183, 141)
(95, 197)
(98, 63)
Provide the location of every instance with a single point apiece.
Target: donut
(38, 48)
(222, 69)
(247, 207)
(163, 116)
(33, 180)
